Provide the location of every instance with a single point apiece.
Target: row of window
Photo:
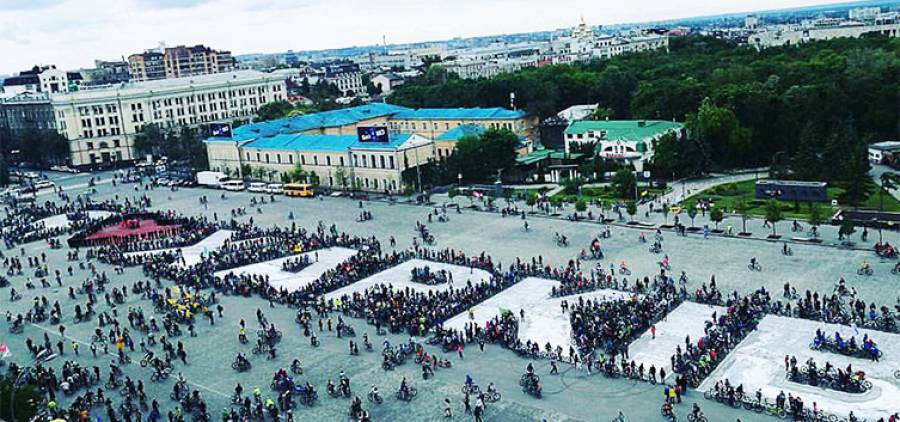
(102, 144)
(406, 125)
(359, 160)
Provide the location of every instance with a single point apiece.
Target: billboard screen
(372, 134)
(220, 130)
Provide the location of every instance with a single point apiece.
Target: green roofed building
(627, 140)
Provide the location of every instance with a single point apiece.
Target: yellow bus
(298, 189)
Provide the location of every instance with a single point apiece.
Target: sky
(72, 33)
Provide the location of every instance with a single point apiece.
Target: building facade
(101, 123)
(179, 62)
(47, 79)
(27, 111)
(333, 161)
(630, 141)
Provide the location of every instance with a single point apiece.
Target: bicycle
(492, 396)
(375, 397)
(699, 417)
(470, 389)
(410, 393)
(754, 266)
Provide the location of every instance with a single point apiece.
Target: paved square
(758, 362)
(278, 278)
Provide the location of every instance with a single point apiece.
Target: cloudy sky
(72, 33)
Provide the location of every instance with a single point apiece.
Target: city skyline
(71, 34)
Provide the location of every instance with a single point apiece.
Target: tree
(298, 174)
(4, 171)
(624, 182)
(341, 175)
(531, 199)
(773, 214)
(28, 398)
(452, 193)
(716, 215)
(631, 209)
(556, 202)
(478, 158)
(149, 139)
(665, 212)
(273, 110)
(571, 185)
(846, 229)
(692, 212)
(246, 171)
(743, 209)
(719, 129)
(815, 215)
(581, 205)
(889, 182)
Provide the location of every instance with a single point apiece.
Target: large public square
(573, 394)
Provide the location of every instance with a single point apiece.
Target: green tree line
(808, 110)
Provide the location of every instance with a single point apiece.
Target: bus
(298, 189)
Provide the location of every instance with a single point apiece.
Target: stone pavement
(573, 395)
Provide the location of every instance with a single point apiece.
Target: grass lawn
(725, 195)
(605, 193)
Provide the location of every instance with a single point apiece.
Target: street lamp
(43, 357)
(459, 180)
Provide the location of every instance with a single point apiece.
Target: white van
(275, 188)
(258, 187)
(232, 185)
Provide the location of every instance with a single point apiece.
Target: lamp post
(41, 358)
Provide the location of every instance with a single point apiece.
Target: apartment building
(178, 62)
(47, 79)
(100, 123)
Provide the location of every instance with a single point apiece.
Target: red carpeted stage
(133, 229)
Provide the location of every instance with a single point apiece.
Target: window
(382, 161)
(315, 160)
(303, 159)
(391, 160)
(90, 145)
(342, 161)
(278, 158)
(257, 157)
(267, 157)
(373, 161)
(291, 159)
(328, 160)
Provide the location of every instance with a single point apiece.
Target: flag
(4, 351)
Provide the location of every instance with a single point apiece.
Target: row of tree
(183, 144)
(808, 110)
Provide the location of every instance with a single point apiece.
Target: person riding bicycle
(667, 409)
(785, 249)
(753, 262)
(242, 335)
(665, 260)
(529, 369)
(622, 266)
(374, 391)
(404, 388)
(490, 388)
(865, 265)
(241, 360)
(696, 411)
(469, 381)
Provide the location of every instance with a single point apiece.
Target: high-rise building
(178, 62)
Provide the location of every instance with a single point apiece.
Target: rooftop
(629, 130)
(460, 132)
(886, 146)
(334, 143)
(162, 85)
(332, 118)
(476, 113)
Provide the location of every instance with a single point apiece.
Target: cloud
(28, 4)
(170, 4)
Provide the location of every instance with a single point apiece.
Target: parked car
(275, 188)
(232, 185)
(258, 187)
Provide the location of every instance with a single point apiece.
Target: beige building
(334, 161)
(100, 123)
(179, 62)
(433, 122)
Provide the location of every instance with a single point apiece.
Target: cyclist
(374, 391)
(696, 411)
(404, 388)
(753, 262)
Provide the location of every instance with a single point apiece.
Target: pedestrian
(466, 403)
(448, 412)
(459, 350)
(481, 345)
(75, 347)
(653, 331)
